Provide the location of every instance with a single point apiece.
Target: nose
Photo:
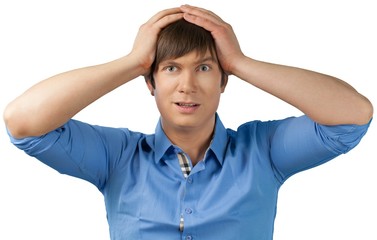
(187, 83)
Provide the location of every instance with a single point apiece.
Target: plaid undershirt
(184, 163)
(186, 169)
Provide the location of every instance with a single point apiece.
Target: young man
(193, 178)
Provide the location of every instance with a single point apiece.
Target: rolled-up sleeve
(299, 143)
(78, 149)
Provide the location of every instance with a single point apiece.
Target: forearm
(50, 103)
(323, 98)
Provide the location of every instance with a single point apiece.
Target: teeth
(186, 104)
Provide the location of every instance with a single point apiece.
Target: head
(179, 39)
(186, 78)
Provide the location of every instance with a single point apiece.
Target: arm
(298, 143)
(52, 102)
(325, 99)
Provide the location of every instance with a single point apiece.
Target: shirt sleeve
(298, 144)
(78, 149)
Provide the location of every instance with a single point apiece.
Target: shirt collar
(219, 141)
(162, 143)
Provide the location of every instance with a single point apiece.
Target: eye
(170, 68)
(204, 68)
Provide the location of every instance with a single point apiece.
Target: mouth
(187, 105)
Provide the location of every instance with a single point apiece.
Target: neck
(194, 142)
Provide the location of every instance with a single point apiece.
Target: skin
(52, 102)
(325, 99)
(187, 94)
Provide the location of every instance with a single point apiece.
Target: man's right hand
(144, 47)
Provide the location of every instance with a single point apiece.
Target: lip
(187, 107)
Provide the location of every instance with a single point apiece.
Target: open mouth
(187, 104)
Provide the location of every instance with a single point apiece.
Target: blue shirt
(230, 194)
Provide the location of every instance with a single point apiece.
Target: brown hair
(180, 38)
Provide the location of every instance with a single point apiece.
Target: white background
(41, 38)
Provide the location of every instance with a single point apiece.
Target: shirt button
(189, 237)
(189, 180)
(188, 210)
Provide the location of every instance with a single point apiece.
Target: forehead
(193, 57)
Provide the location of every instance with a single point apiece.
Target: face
(187, 91)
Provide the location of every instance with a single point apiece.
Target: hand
(144, 47)
(227, 46)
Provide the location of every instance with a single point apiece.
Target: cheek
(165, 83)
(161, 96)
(160, 104)
(212, 79)
(161, 91)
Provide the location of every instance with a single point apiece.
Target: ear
(149, 84)
(224, 81)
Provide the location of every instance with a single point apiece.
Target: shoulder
(259, 127)
(75, 132)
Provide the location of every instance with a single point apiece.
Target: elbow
(366, 112)
(15, 123)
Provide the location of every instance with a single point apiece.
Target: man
(193, 178)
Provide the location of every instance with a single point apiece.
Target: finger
(202, 22)
(202, 17)
(164, 13)
(168, 19)
(201, 12)
(163, 18)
